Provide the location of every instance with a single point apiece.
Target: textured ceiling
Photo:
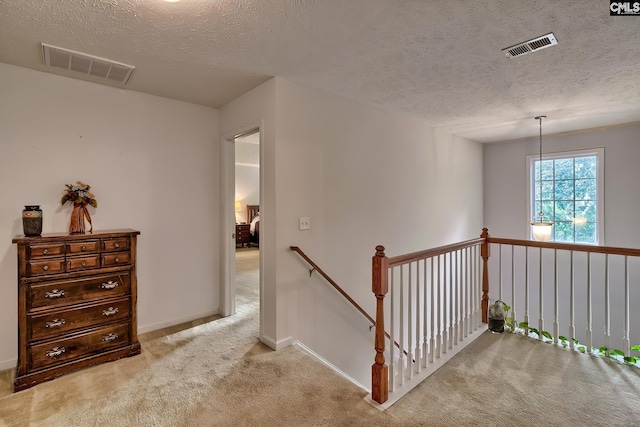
(438, 59)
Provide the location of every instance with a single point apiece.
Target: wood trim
(611, 250)
(428, 253)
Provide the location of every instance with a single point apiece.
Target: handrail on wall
(338, 288)
(332, 282)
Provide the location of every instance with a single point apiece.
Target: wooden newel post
(380, 287)
(485, 252)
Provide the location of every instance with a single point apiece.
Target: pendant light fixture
(542, 230)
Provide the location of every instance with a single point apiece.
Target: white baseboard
(173, 322)
(328, 364)
(8, 364)
(276, 345)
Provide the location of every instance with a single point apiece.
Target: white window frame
(599, 154)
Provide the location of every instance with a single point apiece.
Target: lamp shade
(238, 206)
(542, 230)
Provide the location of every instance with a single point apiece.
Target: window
(569, 191)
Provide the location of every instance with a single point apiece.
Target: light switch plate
(305, 223)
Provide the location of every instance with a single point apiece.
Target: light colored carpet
(216, 373)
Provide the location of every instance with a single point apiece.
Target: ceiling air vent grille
(536, 44)
(86, 64)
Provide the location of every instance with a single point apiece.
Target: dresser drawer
(39, 267)
(115, 259)
(45, 250)
(87, 246)
(83, 262)
(61, 321)
(119, 244)
(76, 346)
(67, 292)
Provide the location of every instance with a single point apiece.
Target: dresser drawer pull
(56, 293)
(116, 259)
(110, 338)
(45, 268)
(83, 248)
(110, 285)
(117, 245)
(55, 323)
(110, 311)
(57, 351)
(45, 251)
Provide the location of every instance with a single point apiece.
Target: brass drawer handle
(45, 268)
(84, 263)
(56, 293)
(116, 259)
(110, 338)
(45, 251)
(110, 285)
(55, 323)
(55, 352)
(110, 311)
(83, 248)
(117, 245)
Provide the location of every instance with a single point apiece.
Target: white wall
(255, 109)
(505, 213)
(247, 189)
(364, 177)
(152, 164)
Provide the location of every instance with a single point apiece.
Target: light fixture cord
(540, 169)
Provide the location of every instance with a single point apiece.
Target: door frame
(228, 223)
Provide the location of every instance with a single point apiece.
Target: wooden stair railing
(340, 290)
(381, 265)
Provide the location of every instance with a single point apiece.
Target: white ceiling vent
(86, 64)
(523, 48)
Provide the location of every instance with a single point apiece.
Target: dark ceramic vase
(32, 220)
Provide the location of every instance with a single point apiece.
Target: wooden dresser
(243, 234)
(76, 302)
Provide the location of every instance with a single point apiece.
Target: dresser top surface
(47, 237)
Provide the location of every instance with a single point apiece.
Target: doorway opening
(247, 223)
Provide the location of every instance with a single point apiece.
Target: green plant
(523, 328)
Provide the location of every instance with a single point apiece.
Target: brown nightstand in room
(242, 234)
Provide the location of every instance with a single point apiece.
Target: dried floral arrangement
(79, 194)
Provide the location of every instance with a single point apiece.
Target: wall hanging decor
(79, 195)
(32, 220)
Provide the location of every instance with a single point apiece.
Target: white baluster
(469, 291)
(443, 298)
(556, 324)
(526, 288)
(403, 365)
(513, 288)
(607, 317)
(432, 347)
(425, 304)
(626, 341)
(500, 272)
(541, 317)
(452, 302)
(409, 320)
(572, 311)
(392, 333)
(589, 331)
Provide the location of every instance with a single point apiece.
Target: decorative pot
(32, 220)
(496, 317)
